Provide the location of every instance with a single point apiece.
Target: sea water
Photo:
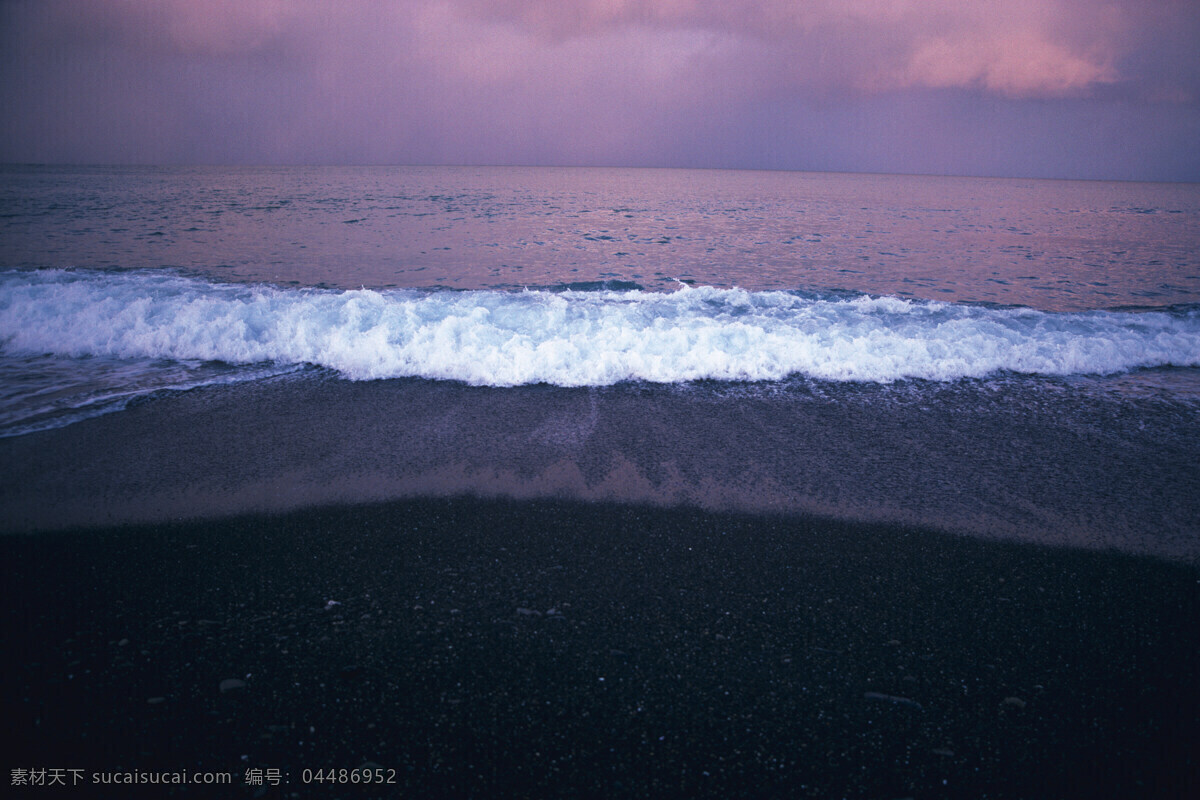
(774, 309)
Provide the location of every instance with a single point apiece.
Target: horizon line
(455, 165)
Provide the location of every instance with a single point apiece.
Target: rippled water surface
(1052, 245)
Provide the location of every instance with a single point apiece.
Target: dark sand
(1047, 464)
(555, 649)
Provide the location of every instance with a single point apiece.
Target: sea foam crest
(573, 338)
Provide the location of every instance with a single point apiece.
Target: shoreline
(1040, 463)
(553, 647)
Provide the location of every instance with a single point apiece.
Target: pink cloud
(1020, 65)
(1015, 48)
(551, 81)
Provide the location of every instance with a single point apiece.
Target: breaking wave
(573, 337)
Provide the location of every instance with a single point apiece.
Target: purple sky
(1044, 88)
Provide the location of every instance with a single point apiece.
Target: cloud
(795, 83)
(1010, 47)
(1021, 65)
(1016, 48)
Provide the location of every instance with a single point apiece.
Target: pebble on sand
(889, 698)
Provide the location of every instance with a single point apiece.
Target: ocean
(1009, 358)
(543, 482)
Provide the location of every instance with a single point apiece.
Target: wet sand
(1047, 464)
(550, 648)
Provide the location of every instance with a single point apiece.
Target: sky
(1098, 89)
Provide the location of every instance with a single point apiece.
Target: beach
(619, 400)
(540, 592)
(656, 484)
(555, 648)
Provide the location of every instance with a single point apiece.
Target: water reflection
(1054, 245)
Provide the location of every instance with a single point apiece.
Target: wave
(577, 337)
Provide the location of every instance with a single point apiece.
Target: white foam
(573, 338)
